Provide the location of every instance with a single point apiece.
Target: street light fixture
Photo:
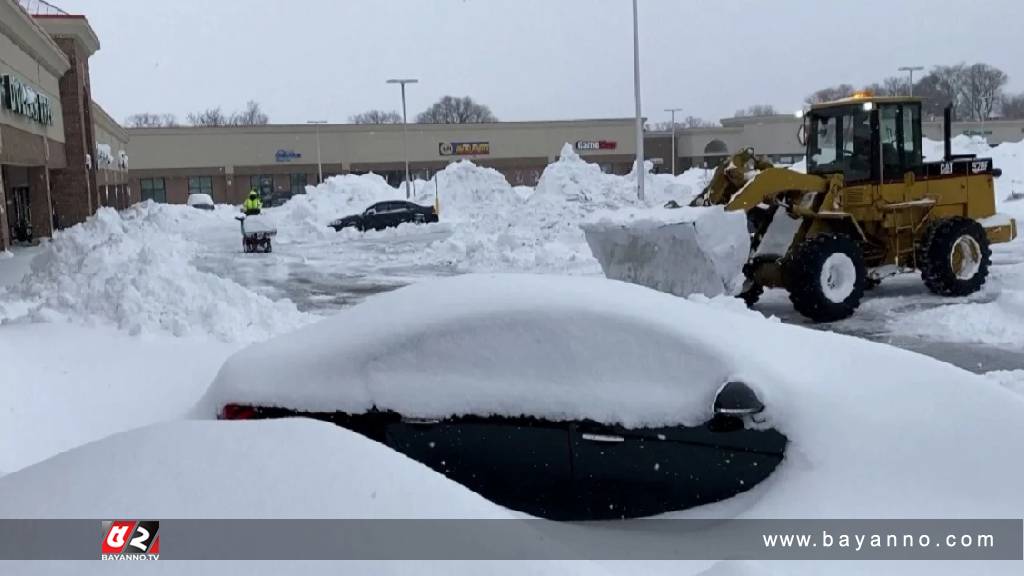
(319, 162)
(405, 129)
(910, 70)
(673, 111)
(639, 119)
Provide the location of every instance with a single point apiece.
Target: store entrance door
(20, 217)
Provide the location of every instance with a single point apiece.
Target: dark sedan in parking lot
(387, 215)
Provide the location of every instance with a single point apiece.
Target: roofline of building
(40, 45)
(282, 128)
(108, 122)
(83, 33)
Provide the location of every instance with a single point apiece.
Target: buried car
(387, 215)
(869, 430)
(497, 389)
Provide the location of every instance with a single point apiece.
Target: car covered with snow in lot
(387, 215)
(572, 397)
(200, 201)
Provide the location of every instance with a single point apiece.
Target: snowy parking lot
(124, 321)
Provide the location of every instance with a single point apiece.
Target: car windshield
(414, 274)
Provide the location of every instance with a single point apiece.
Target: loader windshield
(840, 141)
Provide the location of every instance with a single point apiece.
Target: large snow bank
(681, 251)
(874, 431)
(64, 385)
(134, 270)
(465, 186)
(268, 469)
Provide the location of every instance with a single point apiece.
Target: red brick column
(73, 189)
(39, 198)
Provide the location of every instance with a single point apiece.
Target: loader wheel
(826, 277)
(954, 256)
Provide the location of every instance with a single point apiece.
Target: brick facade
(74, 192)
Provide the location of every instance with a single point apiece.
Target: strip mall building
(61, 155)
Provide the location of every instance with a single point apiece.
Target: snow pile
(573, 178)
(681, 251)
(306, 216)
(465, 186)
(133, 270)
(222, 470)
(1012, 380)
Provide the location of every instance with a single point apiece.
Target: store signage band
(591, 145)
(283, 155)
(464, 148)
(22, 100)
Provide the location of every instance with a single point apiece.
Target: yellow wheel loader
(868, 207)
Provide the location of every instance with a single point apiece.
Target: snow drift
(134, 270)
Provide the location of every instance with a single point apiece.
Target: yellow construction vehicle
(868, 207)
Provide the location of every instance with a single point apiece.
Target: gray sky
(526, 59)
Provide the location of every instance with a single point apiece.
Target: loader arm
(770, 183)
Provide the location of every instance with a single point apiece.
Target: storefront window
(153, 189)
(200, 185)
(298, 184)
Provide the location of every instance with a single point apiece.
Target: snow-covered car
(386, 215)
(200, 201)
(518, 396)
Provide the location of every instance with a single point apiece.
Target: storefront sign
(591, 145)
(22, 100)
(464, 148)
(286, 155)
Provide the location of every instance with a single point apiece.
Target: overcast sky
(526, 59)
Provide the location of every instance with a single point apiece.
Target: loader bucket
(681, 251)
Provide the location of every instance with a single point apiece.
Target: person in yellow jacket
(252, 204)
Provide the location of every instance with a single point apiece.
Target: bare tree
(938, 88)
(253, 115)
(756, 110)
(688, 122)
(208, 117)
(891, 86)
(150, 120)
(980, 89)
(453, 110)
(376, 117)
(829, 94)
(1013, 106)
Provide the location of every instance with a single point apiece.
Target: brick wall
(74, 192)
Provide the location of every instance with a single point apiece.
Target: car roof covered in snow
(197, 198)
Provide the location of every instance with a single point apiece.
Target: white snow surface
(873, 429)
(267, 469)
(134, 270)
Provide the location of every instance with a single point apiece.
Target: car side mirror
(737, 399)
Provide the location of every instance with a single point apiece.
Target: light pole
(639, 119)
(319, 163)
(910, 70)
(673, 111)
(405, 128)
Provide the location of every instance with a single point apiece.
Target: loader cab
(867, 139)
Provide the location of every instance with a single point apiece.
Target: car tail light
(237, 412)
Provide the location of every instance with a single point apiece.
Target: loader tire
(954, 256)
(826, 277)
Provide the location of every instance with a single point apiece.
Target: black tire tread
(803, 272)
(933, 256)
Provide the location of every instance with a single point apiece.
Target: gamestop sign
(595, 145)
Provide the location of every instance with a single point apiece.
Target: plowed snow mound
(133, 270)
